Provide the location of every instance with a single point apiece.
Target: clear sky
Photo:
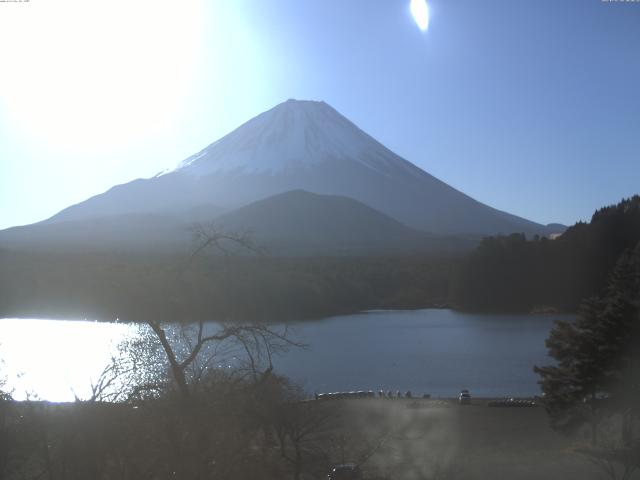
(529, 106)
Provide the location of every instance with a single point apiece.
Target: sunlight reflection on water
(57, 359)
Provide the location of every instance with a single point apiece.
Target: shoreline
(439, 306)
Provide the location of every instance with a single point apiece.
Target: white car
(464, 398)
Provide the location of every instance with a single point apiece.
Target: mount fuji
(295, 146)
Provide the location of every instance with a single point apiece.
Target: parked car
(346, 471)
(464, 398)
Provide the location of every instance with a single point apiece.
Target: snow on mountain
(294, 134)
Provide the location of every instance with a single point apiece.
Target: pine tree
(597, 355)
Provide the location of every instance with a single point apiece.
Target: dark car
(347, 471)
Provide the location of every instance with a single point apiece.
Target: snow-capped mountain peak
(294, 133)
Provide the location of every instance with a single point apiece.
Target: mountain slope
(131, 232)
(301, 222)
(291, 223)
(304, 145)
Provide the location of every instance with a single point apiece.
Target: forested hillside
(513, 273)
(141, 288)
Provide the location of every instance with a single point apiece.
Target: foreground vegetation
(230, 428)
(238, 430)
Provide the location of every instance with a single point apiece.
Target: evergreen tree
(597, 355)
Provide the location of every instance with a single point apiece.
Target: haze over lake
(426, 351)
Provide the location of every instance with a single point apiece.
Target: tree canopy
(598, 354)
(518, 274)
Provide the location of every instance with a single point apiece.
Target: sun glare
(63, 358)
(420, 12)
(85, 73)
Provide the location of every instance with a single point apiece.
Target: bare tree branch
(214, 236)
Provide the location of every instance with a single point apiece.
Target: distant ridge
(291, 223)
(302, 222)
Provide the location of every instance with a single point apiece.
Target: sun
(88, 73)
(420, 11)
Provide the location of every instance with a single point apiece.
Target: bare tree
(617, 456)
(212, 236)
(302, 428)
(618, 463)
(258, 341)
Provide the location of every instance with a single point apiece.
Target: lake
(426, 351)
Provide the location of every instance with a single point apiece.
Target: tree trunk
(298, 463)
(594, 421)
(181, 381)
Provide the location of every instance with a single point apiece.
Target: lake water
(425, 351)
